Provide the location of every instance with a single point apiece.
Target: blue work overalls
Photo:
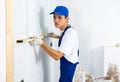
(67, 68)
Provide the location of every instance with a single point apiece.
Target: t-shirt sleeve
(67, 44)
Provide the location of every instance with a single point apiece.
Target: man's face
(60, 21)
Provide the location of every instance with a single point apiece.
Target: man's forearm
(53, 53)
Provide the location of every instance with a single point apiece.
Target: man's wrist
(41, 42)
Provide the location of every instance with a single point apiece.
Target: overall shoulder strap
(60, 39)
(62, 34)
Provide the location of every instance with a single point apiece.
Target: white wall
(31, 63)
(2, 42)
(98, 23)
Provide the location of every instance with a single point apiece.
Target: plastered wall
(32, 18)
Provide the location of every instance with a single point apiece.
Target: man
(67, 46)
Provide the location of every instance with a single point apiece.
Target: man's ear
(67, 19)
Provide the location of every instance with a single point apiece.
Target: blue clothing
(67, 68)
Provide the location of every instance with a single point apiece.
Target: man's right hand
(36, 41)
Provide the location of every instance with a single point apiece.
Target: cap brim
(51, 13)
(57, 13)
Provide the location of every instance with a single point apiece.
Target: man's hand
(52, 35)
(36, 41)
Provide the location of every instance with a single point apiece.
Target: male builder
(68, 44)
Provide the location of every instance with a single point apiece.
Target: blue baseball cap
(61, 10)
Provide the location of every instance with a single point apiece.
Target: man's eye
(54, 17)
(60, 17)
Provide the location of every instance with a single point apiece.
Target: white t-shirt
(70, 45)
